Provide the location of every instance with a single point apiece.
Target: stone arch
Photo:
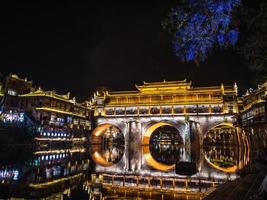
(224, 125)
(100, 130)
(217, 125)
(95, 139)
(242, 158)
(152, 162)
(152, 127)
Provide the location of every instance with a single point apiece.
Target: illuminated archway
(103, 130)
(225, 129)
(100, 130)
(99, 155)
(241, 157)
(152, 162)
(151, 129)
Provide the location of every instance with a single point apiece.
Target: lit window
(11, 92)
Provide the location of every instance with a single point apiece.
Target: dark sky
(78, 47)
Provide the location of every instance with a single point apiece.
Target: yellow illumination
(223, 169)
(98, 131)
(146, 151)
(168, 93)
(60, 151)
(60, 111)
(98, 158)
(49, 183)
(151, 129)
(226, 124)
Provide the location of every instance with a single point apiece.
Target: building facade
(254, 106)
(54, 117)
(167, 98)
(253, 115)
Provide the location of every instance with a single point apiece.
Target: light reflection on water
(128, 171)
(154, 169)
(166, 162)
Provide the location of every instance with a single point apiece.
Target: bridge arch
(242, 157)
(218, 125)
(150, 160)
(96, 140)
(152, 127)
(224, 129)
(102, 130)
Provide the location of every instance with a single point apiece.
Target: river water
(112, 171)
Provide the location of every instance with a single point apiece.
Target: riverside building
(51, 116)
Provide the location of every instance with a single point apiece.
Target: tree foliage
(200, 25)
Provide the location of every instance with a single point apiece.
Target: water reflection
(43, 173)
(228, 159)
(148, 171)
(166, 153)
(107, 155)
(119, 171)
(166, 145)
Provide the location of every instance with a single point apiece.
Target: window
(166, 110)
(178, 109)
(143, 111)
(120, 111)
(110, 111)
(11, 92)
(131, 111)
(154, 110)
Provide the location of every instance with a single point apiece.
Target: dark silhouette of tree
(254, 25)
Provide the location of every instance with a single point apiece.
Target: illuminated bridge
(139, 117)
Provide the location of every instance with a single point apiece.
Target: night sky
(79, 47)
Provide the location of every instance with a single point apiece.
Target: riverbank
(245, 188)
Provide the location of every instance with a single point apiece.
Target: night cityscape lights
(77, 132)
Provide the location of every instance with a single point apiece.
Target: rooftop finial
(235, 87)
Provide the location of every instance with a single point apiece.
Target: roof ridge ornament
(222, 88)
(235, 87)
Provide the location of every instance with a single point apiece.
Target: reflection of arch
(217, 127)
(106, 156)
(151, 129)
(100, 131)
(243, 155)
(98, 158)
(153, 163)
(224, 169)
(96, 138)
